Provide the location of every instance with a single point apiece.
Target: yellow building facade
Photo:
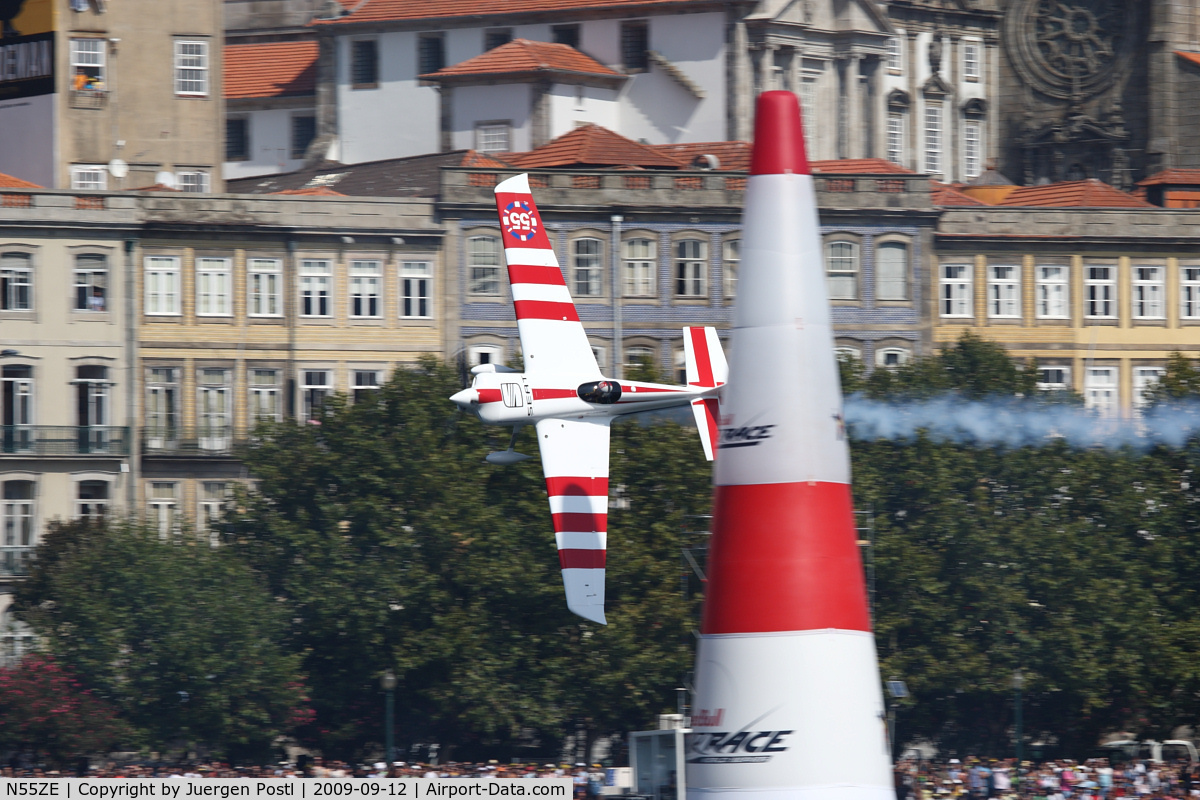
(1099, 298)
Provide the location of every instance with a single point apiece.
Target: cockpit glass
(602, 392)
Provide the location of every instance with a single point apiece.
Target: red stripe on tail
(784, 557)
(543, 276)
(704, 372)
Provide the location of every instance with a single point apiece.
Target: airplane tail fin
(706, 368)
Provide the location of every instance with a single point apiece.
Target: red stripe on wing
(577, 487)
(546, 309)
(582, 559)
(580, 522)
(543, 276)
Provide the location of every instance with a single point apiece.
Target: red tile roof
(1186, 56)
(856, 166)
(593, 146)
(483, 161)
(1074, 194)
(384, 10)
(523, 57)
(10, 182)
(945, 194)
(275, 69)
(1178, 177)
(323, 191)
(730, 155)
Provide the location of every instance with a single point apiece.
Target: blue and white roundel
(519, 221)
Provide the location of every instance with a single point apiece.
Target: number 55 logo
(519, 221)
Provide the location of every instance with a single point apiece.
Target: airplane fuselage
(517, 398)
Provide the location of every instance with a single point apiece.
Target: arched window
(585, 266)
(483, 255)
(842, 270)
(891, 271)
(891, 357)
(691, 262)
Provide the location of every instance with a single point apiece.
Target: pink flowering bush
(44, 707)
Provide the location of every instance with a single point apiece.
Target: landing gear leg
(505, 457)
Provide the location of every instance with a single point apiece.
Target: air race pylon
(788, 699)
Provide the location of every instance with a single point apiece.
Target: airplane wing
(552, 337)
(575, 462)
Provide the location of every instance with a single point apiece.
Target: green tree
(399, 548)
(182, 638)
(1179, 381)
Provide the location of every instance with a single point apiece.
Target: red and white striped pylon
(788, 698)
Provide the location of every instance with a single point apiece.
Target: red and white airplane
(563, 394)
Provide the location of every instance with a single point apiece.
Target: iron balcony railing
(63, 440)
(203, 441)
(15, 560)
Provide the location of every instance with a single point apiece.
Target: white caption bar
(302, 788)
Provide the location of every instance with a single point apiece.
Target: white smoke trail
(1017, 423)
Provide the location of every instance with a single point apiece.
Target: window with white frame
(891, 271)
(17, 545)
(1100, 390)
(87, 65)
(161, 506)
(265, 400)
(162, 407)
(191, 67)
(162, 285)
(841, 270)
(214, 497)
(1004, 291)
(316, 279)
(639, 357)
(691, 268)
(366, 278)
(493, 137)
(91, 282)
(972, 60)
(895, 54)
(601, 356)
(895, 137)
(639, 267)
(484, 354)
(214, 286)
(1054, 378)
(16, 389)
(315, 388)
(955, 294)
(483, 254)
(91, 500)
(1149, 292)
(1053, 292)
(16, 282)
(892, 357)
(730, 265)
(365, 381)
(89, 177)
(1144, 378)
(972, 148)
(585, 266)
(1189, 292)
(214, 410)
(416, 288)
(193, 181)
(933, 137)
(265, 278)
(91, 407)
(1100, 292)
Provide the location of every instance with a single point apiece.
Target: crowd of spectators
(1095, 779)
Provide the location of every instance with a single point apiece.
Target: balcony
(62, 441)
(215, 441)
(89, 98)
